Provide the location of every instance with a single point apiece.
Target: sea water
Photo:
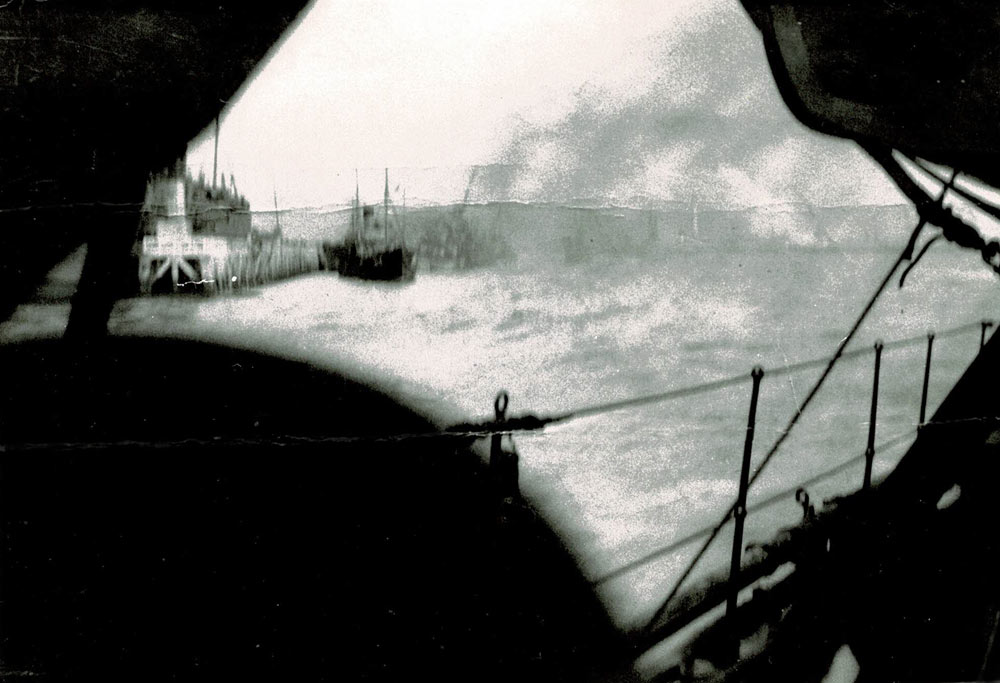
(558, 336)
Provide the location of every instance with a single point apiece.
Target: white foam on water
(619, 486)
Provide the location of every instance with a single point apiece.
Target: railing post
(986, 324)
(927, 377)
(740, 510)
(503, 463)
(873, 415)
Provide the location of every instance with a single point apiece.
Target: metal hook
(500, 405)
(802, 498)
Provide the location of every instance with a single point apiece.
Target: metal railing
(504, 459)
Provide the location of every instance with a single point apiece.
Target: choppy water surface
(556, 336)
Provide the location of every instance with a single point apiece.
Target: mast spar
(215, 157)
(277, 223)
(355, 226)
(385, 201)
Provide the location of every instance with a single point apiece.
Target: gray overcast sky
(627, 102)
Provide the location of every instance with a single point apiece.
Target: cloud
(707, 121)
(622, 102)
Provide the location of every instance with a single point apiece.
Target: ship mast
(215, 158)
(277, 223)
(385, 201)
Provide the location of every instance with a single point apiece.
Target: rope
(989, 645)
(952, 227)
(131, 206)
(71, 205)
(980, 204)
(906, 254)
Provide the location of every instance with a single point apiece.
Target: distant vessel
(188, 227)
(369, 253)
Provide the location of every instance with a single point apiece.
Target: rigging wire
(981, 204)
(905, 255)
(521, 424)
(529, 422)
(952, 227)
(759, 505)
(916, 259)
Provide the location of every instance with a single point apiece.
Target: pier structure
(200, 238)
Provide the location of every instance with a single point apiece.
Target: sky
(631, 103)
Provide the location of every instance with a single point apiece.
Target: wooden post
(174, 271)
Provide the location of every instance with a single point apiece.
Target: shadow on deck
(250, 557)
